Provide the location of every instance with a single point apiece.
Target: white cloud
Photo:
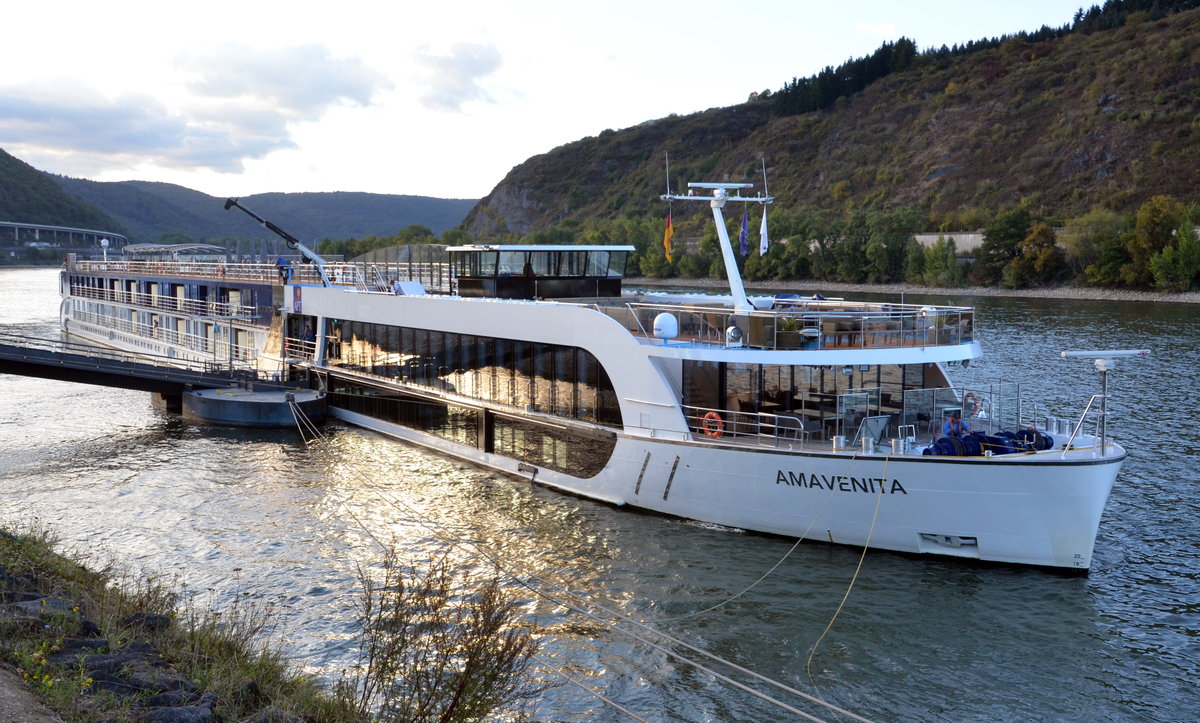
(301, 81)
(242, 105)
(454, 79)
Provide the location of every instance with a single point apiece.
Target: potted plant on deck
(787, 333)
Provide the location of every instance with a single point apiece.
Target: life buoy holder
(971, 404)
(713, 425)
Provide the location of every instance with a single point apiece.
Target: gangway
(89, 364)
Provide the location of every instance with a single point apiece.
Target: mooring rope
(765, 575)
(853, 578)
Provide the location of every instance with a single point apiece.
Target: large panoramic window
(549, 378)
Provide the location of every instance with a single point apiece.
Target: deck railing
(920, 414)
(763, 428)
(375, 277)
(216, 346)
(813, 325)
(159, 302)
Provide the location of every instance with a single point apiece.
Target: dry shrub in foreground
(431, 651)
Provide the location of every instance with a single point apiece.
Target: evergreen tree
(795, 231)
(999, 247)
(175, 237)
(850, 250)
(1111, 257)
(914, 262)
(890, 234)
(941, 264)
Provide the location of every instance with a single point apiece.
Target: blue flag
(745, 231)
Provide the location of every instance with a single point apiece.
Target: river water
(256, 515)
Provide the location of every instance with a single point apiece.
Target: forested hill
(29, 196)
(1098, 114)
(150, 210)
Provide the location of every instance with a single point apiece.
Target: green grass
(221, 651)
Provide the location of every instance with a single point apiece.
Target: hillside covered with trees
(29, 196)
(1091, 126)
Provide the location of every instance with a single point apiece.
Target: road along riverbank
(807, 287)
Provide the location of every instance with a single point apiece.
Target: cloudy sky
(437, 98)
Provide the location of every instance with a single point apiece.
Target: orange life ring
(713, 425)
(971, 403)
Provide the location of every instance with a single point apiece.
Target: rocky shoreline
(133, 670)
(829, 288)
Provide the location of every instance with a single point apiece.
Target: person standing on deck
(281, 264)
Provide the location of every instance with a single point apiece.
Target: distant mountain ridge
(149, 209)
(144, 211)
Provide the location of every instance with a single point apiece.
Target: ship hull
(1037, 509)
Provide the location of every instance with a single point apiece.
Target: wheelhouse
(538, 272)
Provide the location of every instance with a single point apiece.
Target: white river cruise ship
(800, 416)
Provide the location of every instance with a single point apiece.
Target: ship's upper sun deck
(790, 322)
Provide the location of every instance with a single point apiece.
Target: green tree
(1176, 267)
(175, 237)
(455, 237)
(941, 264)
(794, 232)
(1039, 260)
(653, 262)
(890, 233)
(1084, 236)
(999, 247)
(1153, 229)
(877, 259)
(689, 265)
(414, 234)
(914, 262)
(850, 249)
(1111, 257)
(552, 235)
(760, 268)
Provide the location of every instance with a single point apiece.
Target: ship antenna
(763, 158)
